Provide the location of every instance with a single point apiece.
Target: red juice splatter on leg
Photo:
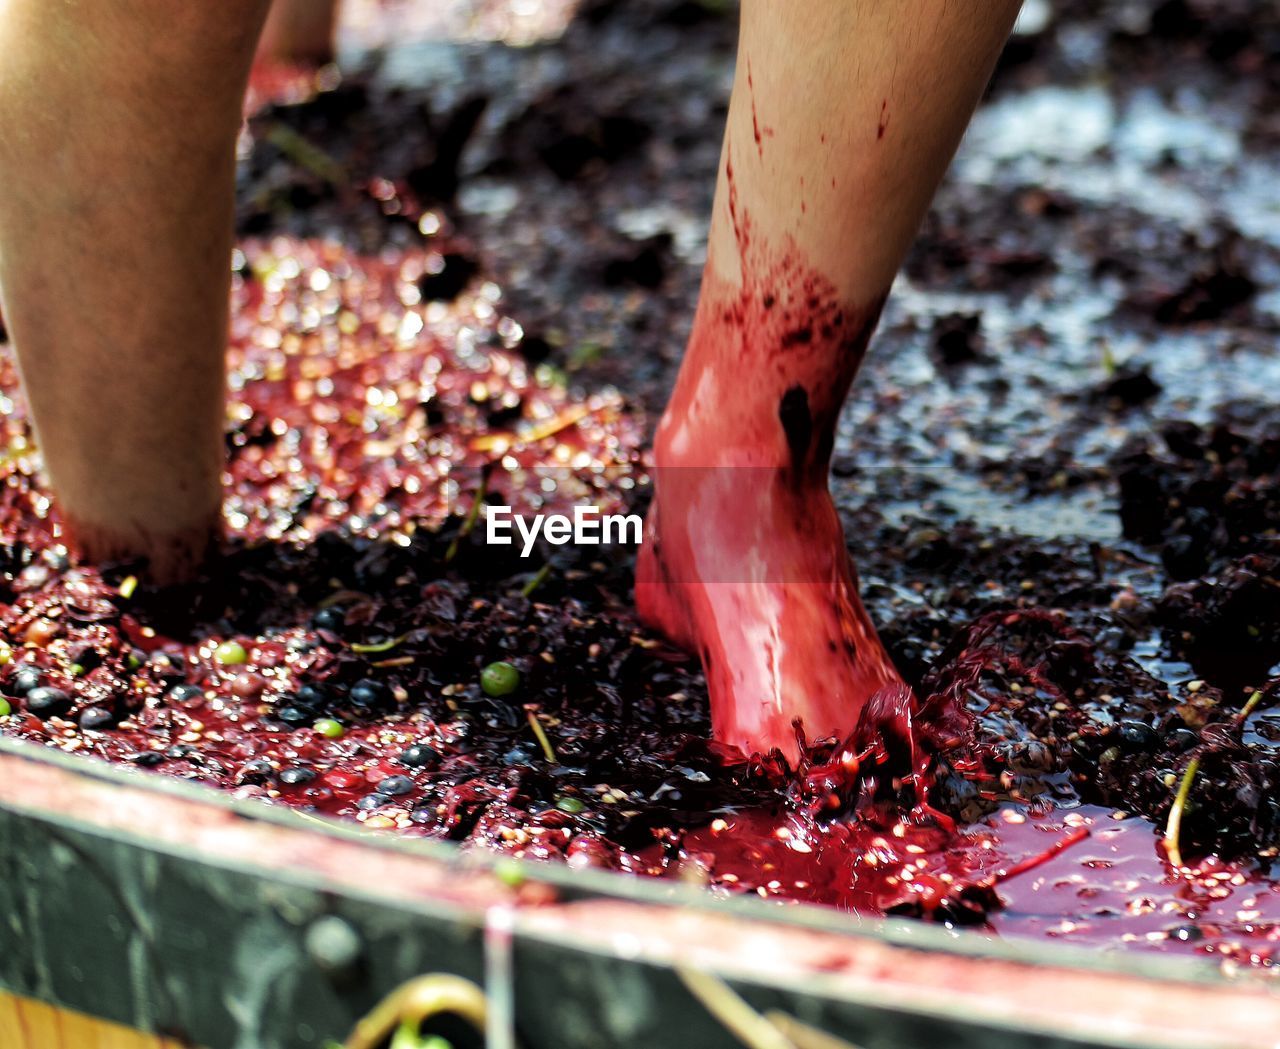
(755, 120)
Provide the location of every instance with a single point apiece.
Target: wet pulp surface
(473, 267)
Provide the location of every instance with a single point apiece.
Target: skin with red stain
(744, 559)
(757, 132)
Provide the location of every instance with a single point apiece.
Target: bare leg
(299, 30)
(845, 113)
(117, 163)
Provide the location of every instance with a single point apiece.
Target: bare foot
(119, 319)
(744, 560)
(170, 555)
(779, 626)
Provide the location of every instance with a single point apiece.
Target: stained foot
(744, 559)
(751, 572)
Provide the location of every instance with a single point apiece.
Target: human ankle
(767, 367)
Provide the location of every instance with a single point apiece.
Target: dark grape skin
(45, 702)
(419, 756)
(370, 695)
(95, 719)
(331, 620)
(297, 776)
(23, 681)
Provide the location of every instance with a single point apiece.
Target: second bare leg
(117, 163)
